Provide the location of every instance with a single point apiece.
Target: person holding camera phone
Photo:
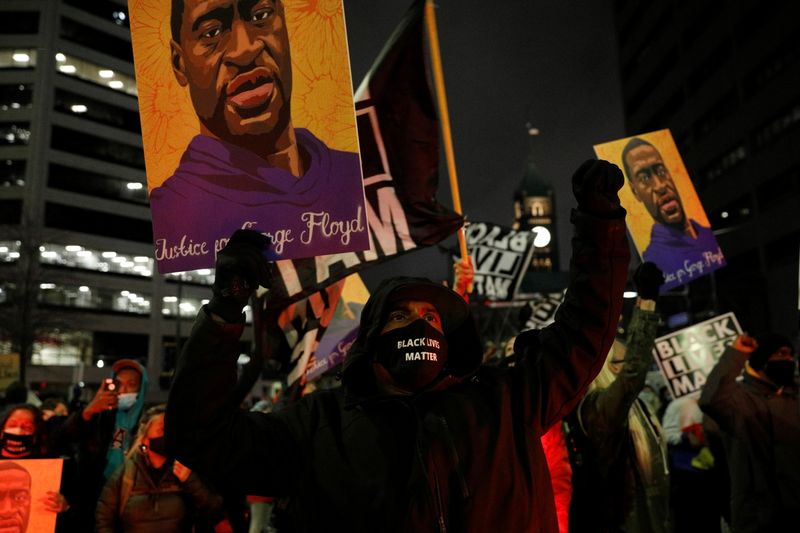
(102, 431)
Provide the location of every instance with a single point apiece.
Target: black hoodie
(465, 456)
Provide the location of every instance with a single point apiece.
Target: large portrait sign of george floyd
(247, 122)
(686, 357)
(500, 257)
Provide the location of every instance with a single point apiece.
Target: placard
(686, 357)
(247, 122)
(500, 257)
(665, 217)
(24, 483)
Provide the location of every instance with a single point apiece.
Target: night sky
(552, 63)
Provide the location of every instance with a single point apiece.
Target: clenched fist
(595, 185)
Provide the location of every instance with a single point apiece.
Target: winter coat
(464, 456)
(611, 492)
(760, 426)
(163, 506)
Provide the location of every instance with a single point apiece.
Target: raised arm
(605, 410)
(721, 397)
(258, 453)
(558, 363)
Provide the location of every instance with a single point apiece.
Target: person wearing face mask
(23, 436)
(152, 493)
(759, 420)
(103, 430)
(421, 436)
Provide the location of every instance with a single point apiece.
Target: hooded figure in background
(420, 437)
(759, 420)
(103, 430)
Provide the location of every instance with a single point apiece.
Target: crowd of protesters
(429, 432)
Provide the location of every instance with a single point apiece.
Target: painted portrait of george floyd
(23, 485)
(666, 220)
(248, 122)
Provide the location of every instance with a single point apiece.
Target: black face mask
(158, 445)
(18, 445)
(780, 372)
(414, 355)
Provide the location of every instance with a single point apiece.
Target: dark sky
(553, 63)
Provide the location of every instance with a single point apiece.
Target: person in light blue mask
(103, 430)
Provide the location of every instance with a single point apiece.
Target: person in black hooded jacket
(420, 437)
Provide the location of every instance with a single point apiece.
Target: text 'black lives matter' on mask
(414, 355)
(17, 444)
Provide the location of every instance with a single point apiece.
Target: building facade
(76, 254)
(723, 77)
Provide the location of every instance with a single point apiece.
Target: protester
(23, 436)
(151, 493)
(620, 476)
(419, 436)
(691, 463)
(102, 431)
(759, 419)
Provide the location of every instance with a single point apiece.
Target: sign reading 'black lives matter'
(687, 356)
(500, 257)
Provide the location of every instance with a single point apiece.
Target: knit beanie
(768, 344)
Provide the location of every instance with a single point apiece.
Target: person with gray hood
(421, 436)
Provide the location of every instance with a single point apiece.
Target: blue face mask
(126, 400)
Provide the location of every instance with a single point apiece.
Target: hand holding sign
(648, 279)
(595, 185)
(745, 343)
(241, 268)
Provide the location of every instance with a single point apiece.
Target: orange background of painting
(45, 476)
(322, 92)
(638, 219)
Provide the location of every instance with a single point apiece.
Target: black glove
(595, 185)
(241, 268)
(648, 279)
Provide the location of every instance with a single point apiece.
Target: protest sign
(686, 357)
(543, 308)
(240, 133)
(9, 369)
(500, 257)
(665, 217)
(24, 483)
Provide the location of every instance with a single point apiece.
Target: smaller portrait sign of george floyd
(666, 220)
(686, 357)
(500, 257)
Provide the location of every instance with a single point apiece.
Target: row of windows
(86, 258)
(91, 183)
(16, 96)
(69, 65)
(19, 22)
(94, 39)
(85, 144)
(97, 111)
(12, 172)
(14, 133)
(105, 9)
(778, 62)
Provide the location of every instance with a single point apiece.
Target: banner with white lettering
(398, 132)
(247, 122)
(543, 307)
(665, 217)
(500, 257)
(686, 357)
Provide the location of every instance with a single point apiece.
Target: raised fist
(648, 279)
(595, 185)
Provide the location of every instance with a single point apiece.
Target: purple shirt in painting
(218, 188)
(680, 257)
